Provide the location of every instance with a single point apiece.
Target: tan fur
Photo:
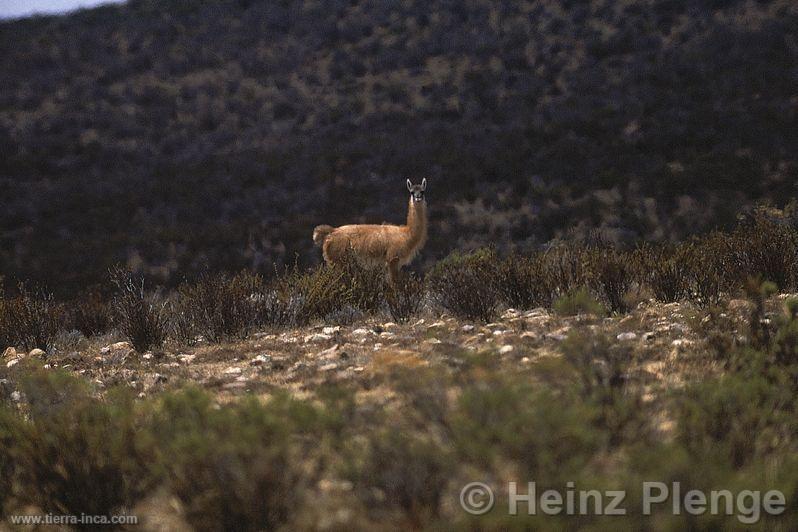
(392, 246)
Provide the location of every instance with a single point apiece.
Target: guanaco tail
(391, 246)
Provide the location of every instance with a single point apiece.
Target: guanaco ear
(424, 184)
(409, 186)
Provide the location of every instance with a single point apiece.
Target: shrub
(141, 321)
(579, 301)
(30, 320)
(366, 284)
(220, 306)
(410, 470)
(565, 267)
(8, 430)
(465, 284)
(551, 437)
(77, 454)
(405, 297)
(524, 282)
(766, 248)
(233, 467)
(313, 294)
(611, 275)
(665, 270)
(740, 416)
(91, 315)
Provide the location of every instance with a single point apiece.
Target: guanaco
(391, 246)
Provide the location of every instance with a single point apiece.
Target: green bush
(578, 301)
(235, 467)
(77, 454)
(411, 471)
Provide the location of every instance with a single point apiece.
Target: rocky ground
(661, 339)
(664, 346)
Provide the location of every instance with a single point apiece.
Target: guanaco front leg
(393, 270)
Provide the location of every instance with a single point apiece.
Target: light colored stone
(503, 350)
(318, 337)
(10, 352)
(187, 359)
(147, 356)
(13, 362)
(387, 334)
(467, 328)
(232, 370)
(361, 332)
(16, 396)
(331, 330)
(260, 360)
(37, 353)
(329, 353)
(626, 336)
(329, 367)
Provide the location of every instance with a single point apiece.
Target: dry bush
(465, 285)
(405, 297)
(139, 318)
(219, 306)
(30, 320)
(611, 276)
(523, 281)
(91, 315)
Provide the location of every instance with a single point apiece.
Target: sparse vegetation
(140, 319)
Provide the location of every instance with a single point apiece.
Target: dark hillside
(171, 136)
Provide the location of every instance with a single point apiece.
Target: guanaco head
(417, 191)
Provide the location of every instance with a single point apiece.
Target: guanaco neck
(417, 223)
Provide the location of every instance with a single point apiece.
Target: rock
(232, 370)
(147, 356)
(187, 359)
(510, 313)
(361, 332)
(329, 353)
(358, 369)
(499, 332)
(318, 337)
(37, 353)
(467, 328)
(118, 346)
(556, 336)
(16, 396)
(387, 334)
(626, 336)
(436, 325)
(530, 335)
(525, 360)
(329, 367)
(330, 330)
(160, 378)
(377, 346)
(260, 360)
(388, 325)
(12, 363)
(650, 335)
(10, 352)
(503, 350)
(419, 322)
